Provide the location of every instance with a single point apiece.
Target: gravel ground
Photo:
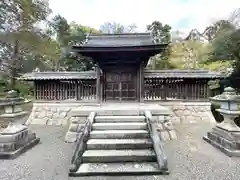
(190, 158)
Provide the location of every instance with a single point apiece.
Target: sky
(182, 15)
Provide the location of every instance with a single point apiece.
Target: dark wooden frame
(123, 83)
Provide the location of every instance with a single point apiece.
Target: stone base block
(173, 135)
(14, 129)
(168, 135)
(20, 150)
(71, 137)
(230, 147)
(166, 130)
(12, 145)
(14, 138)
(164, 135)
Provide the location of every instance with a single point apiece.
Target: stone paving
(189, 158)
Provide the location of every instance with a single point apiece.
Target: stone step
(119, 144)
(119, 134)
(130, 168)
(107, 156)
(107, 119)
(119, 126)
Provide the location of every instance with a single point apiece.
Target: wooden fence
(154, 89)
(175, 89)
(65, 90)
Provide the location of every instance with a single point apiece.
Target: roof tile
(147, 74)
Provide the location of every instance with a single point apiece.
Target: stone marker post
(16, 138)
(226, 135)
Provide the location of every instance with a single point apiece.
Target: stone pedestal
(224, 140)
(75, 128)
(16, 138)
(225, 136)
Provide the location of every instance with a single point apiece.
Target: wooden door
(120, 86)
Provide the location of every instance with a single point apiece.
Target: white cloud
(142, 12)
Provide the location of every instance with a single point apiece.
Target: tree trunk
(13, 70)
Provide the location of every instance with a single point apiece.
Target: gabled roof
(194, 74)
(126, 48)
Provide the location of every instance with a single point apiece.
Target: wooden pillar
(34, 90)
(141, 82)
(76, 89)
(138, 84)
(98, 85)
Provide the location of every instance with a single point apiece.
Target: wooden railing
(81, 144)
(175, 89)
(154, 89)
(86, 90)
(157, 143)
(66, 90)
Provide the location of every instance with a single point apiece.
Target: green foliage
(223, 66)
(214, 84)
(225, 46)
(188, 54)
(68, 35)
(24, 88)
(160, 32)
(21, 35)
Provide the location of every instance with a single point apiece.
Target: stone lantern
(226, 135)
(16, 138)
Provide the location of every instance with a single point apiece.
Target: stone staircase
(119, 145)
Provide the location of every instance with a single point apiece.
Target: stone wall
(60, 114)
(189, 112)
(52, 113)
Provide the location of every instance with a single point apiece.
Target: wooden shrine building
(120, 74)
(120, 60)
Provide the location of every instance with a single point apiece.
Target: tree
(188, 54)
(20, 32)
(235, 18)
(62, 30)
(161, 34)
(227, 46)
(117, 28)
(210, 31)
(224, 42)
(68, 35)
(221, 26)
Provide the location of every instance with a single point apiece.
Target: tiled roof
(182, 74)
(58, 75)
(119, 40)
(147, 74)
